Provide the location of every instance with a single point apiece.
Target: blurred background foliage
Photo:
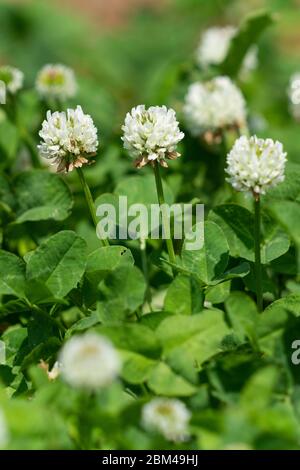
(134, 58)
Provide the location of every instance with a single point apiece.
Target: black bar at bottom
(137, 459)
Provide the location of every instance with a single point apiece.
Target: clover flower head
(89, 361)
(68, 139)
(56, 81)
(294, 96)
(3, 431)
(151, 134)
(255, 165)
(214, 45)
(169, 417)
(12, 78)
(214, 105)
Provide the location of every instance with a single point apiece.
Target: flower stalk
(31, 147)
(27, 140)
(143, 247)
(165, 219)
(90, 202)
(258, 271)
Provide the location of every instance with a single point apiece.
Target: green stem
(144, 390)
(258, 273)
(148, 295)
(27, 140)
(165, 219)
(222, 160)
(90, 202)
(54, 104)
(84, 425)
(31, 147)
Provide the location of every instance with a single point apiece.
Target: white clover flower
(214, 46)
(68, 139)
(3, 431)
(213, 106)
(56, 81)
(255, 164)
(169, 417)
(151, 134)
(13, 78)
(294, 95)
(89, 361)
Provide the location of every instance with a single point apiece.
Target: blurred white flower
(214, 46)
(3, 431)
(255, 164)
(56, 81)
(213, 106)
(68, 139)
(294, 95)
(13, 78)
(151, 134)
(89, 361)
(169, 417)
